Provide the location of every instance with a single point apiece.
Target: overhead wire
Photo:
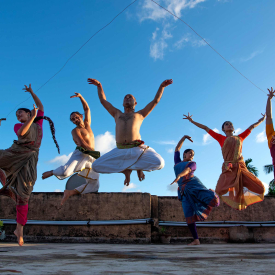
(73, 55)
(209, 45)
(111, 22)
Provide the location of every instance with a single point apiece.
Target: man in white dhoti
(83, 157)
(131, 153)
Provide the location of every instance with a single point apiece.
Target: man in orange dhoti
(236, 186)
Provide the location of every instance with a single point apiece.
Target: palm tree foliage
(269, 168)
(251, 168)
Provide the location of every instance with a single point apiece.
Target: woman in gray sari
(18, 163)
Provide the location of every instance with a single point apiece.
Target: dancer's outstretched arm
(35, 97)
(189, 117)
(149, 107)
(26, 126)
(257, 123)
(178, 147)
(107, 105)
(87, 112)
(185, 172)
(269, 107)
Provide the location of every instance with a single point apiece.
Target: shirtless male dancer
(82, 158)
(131, 153)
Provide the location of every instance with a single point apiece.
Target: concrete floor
(137, 259)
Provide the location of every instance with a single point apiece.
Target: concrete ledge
(130, 206)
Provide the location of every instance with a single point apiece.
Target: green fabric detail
(133, 144)
(94, 154)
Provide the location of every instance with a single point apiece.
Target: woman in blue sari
(197, 200)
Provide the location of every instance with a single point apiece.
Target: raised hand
(76, 95)
(188, 137)
(176, 179)
(271, 93)
(166, 83)
(94, 82)
(34, 111)
(1, 120)
(28, 89)
(262, 119)
(188, 117)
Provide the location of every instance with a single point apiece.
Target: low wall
(128, 206)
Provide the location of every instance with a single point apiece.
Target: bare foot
(47, 174)
(18, 232)
(127, 174)
(141, 175)
(67, 194)
(195, 242)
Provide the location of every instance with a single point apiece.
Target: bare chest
(86, 133)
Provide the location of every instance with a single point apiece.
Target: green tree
(269, 168)
(251, 168)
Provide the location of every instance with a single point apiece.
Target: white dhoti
(137, 158)
(82, 164)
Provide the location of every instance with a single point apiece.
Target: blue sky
(140, 49)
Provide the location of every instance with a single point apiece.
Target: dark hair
(50, 122)
(224, 123)
(187, 150)
(75, 113)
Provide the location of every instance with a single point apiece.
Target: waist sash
(127, 145)
(94, 154)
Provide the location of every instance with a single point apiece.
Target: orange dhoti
(236, 186)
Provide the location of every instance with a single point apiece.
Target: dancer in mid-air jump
(236, 186)
(83, 157)
(131, 153)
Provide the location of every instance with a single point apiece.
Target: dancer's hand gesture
(34, 111)
(177, 178)
(271, 93)
(28, 89)
(262, 119)
(1, 120)
(94, 82)
(188, 117)
(188, 137)
(76, 95)
(166, 83)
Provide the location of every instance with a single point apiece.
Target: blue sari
(197, 200)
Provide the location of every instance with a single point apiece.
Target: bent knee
(160, 162)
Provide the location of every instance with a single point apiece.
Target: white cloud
(261, 137)
(237, 131)
(57, 190)
(151, 11)
(130, 188)
(158, 43)
(266, 186)
(190, 40)
(104, 143)
(170, 151)
(167, 142)
(251, 56)
(172, 188)
(206, 138)
(60, 160)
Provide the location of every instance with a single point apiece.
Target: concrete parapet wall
(128, 206)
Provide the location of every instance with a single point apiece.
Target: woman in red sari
(236, 186)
